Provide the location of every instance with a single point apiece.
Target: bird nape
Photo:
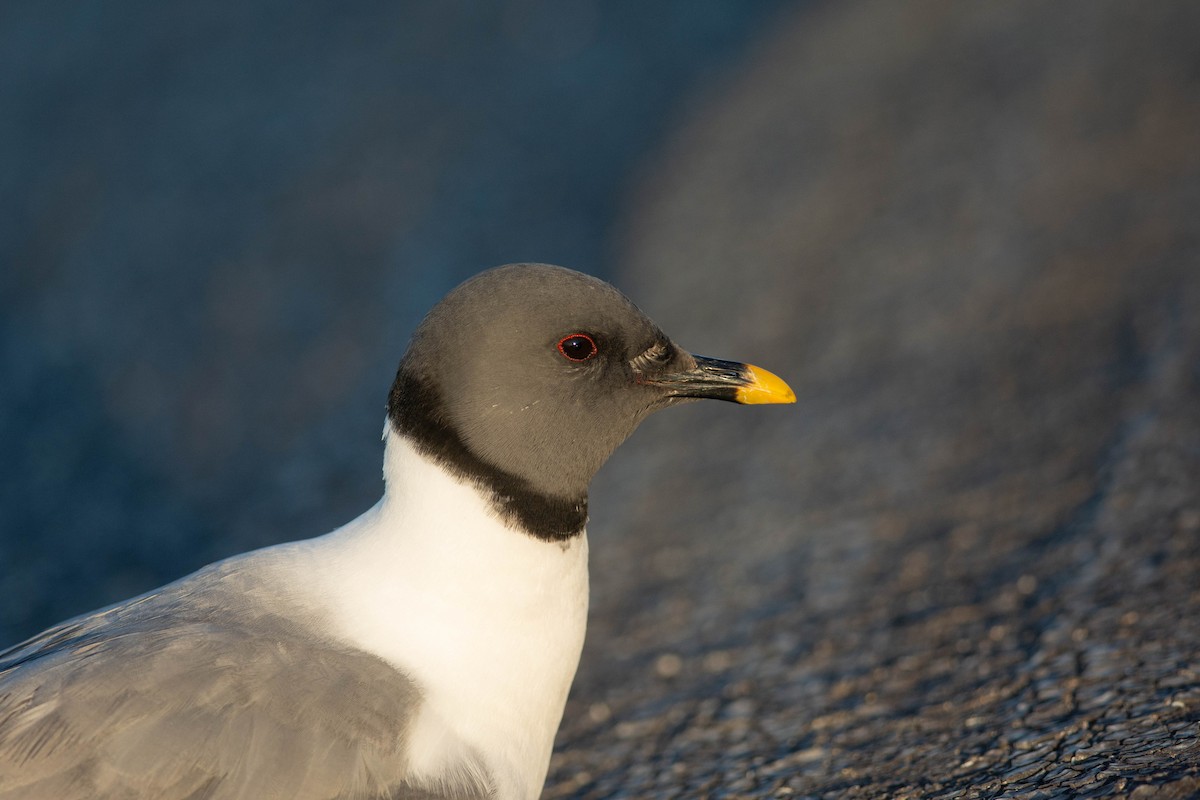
(422, 650)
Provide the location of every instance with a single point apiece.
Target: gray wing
(195, 692)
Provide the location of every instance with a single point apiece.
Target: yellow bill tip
(766, 387)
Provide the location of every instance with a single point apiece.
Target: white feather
(488, 620)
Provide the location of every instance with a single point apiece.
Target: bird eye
(577, 346)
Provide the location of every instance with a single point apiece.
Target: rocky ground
(967, 563)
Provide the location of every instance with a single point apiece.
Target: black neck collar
(414, 409)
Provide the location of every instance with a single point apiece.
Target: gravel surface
(966, 563)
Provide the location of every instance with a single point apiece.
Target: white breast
(488, 620)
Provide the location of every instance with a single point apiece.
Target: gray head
(525, 378)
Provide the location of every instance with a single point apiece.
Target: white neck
(488, 620)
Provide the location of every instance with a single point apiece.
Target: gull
(424, 649)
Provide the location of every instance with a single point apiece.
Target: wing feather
(197, 691)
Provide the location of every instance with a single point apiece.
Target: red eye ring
(577, 347)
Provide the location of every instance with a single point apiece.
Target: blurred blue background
(220, 221)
